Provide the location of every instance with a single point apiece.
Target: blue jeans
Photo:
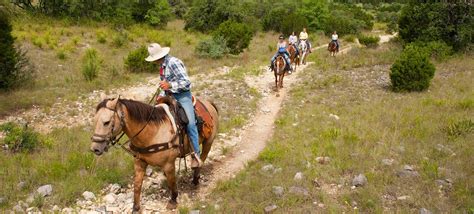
(185, 99)
(285, 55)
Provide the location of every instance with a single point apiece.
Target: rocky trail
(244, 145)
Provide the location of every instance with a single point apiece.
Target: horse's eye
(107, 123)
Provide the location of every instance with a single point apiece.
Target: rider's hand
(165, 85)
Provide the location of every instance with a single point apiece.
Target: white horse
(303, 46)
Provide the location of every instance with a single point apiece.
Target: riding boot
(196, 161)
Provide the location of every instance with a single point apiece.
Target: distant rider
(335, 38)
(304, 38)
(293, 40)
(281, 49)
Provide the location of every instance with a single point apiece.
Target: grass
(374, 124)
(66, 164)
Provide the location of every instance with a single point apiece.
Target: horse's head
(108, 122)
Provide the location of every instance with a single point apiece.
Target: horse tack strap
(155, 147)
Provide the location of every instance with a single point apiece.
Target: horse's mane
(139, 111)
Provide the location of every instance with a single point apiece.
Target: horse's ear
(103, 96)
(111, 104)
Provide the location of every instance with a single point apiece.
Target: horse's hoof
(172, 205)
(277, 95)
(136, 209)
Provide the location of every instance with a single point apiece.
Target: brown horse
(146, 126)
(294, 58)
(279, 70)
(332, 48)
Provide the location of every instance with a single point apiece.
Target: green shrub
(15, 69)
(350, 38)
(450, 22)
(20, 138)
(120, 39)
(215, 47)
(412, 71)
(369, 41)
(135, 61)
(101, 37)
(207, 15)
(159, 14)
(61, 54)
(237, 35)
(438, 50)
(90, 64)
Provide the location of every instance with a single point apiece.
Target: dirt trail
(246, 144)
(259, 130)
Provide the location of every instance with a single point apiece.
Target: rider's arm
(181, 81)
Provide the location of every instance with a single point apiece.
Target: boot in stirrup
(196, 161)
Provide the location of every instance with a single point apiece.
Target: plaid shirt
(175, 74)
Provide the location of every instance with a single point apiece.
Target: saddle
(204, 120)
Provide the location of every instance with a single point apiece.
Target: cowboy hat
(156, 52)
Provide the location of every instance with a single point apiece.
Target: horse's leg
(140, 167)
(170, 173)
(281, 80)
(196, 172)
(276, 81)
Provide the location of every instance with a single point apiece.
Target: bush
(120, 39)
(18, 138)
(207, 15)
(160, 14)
(91, 64)
(348, 19)
(349, 38)
(14, 66)
(135, 61)
(237, 35)
(438, 50)
(101, 37)
(369, 41)
(413, 71)
(452, 23)
(215, 47)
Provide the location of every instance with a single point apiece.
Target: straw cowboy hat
(156, 52)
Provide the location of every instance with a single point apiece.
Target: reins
(115, 141)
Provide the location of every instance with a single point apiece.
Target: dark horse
(332, 48)
(153, 135)
(279, 66)
(294, 57)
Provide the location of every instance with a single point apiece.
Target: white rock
(56, 208)
(278, 190)
(115, 188)
(89, 196)
(387, 162)
(333, 116)
(45, 190)
(109, 198)
(402, 198)
(149, 171)
(298, 176)
(268, 168)
(67, 210)
(270, 209)
(359, 180)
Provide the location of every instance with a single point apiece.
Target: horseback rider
(293, 40)
(175, 81)
(335, 38)
(304, 38)
(281, 49)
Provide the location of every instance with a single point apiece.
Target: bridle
(110, 138)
